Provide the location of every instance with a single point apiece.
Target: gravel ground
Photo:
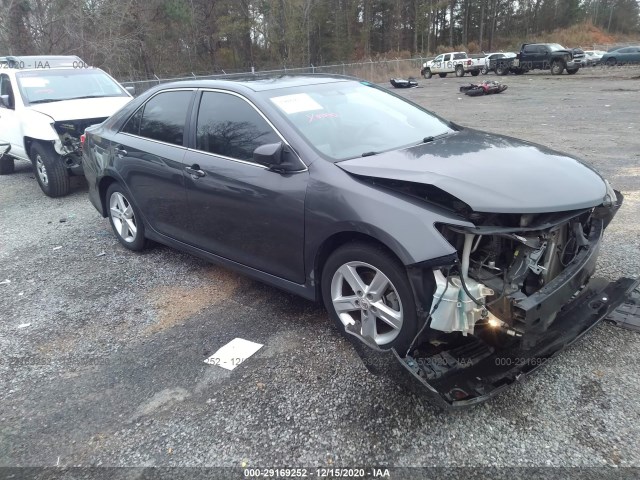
(103, 349)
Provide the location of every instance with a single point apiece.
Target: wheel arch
(337, 240)
(103, 185)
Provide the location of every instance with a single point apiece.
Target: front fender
(344, 204)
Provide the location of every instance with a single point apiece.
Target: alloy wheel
(41, 170)
(361, 292)
(122, 217)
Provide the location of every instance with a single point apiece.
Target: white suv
(45, 105)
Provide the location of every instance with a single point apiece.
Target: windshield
(42, 86)
(344, 120)
(555, 47)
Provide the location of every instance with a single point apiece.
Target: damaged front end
(516, 272)
(518, 292)
(69, 145)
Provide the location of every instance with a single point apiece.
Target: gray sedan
(415, 232)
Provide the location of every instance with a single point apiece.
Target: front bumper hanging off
(474, 372)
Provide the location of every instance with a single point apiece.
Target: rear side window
(459, 56)
(530, 49)
(231, 127)
(163, 118)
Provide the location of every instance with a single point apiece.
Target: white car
(454, 62)
(45, 104)
(593, 57)
(489, 62)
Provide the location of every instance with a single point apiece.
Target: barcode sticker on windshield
(299, 102)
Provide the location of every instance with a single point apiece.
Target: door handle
(194, 171)
(121, 152)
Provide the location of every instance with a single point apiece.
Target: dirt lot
(102, 350)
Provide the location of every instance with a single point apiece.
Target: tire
(50, 172)
(502, 70)
(125, 218)
(475, 92)
(557, 67)
(459, 71)
(475, 73)
(485, 70)
(362, 263)
(7, 165)
(427, 74)
(611, 62)
(572, 71)
(442, 75)
(519, 71)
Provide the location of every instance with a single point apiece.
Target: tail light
(83, 137)
(469, 62)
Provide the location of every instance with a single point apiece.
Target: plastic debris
(58, 247)
(5, 282)
(24, 325)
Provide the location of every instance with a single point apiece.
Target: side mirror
(269, 155)
(131, 89)
(4, 101)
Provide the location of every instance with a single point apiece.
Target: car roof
(259, 83)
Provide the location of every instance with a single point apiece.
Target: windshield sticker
(300, 102)
(319, 116)
(34, 82)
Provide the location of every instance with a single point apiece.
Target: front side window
(54, 85)
(231, 127)
(164, 117)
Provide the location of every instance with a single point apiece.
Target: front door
(239, 209)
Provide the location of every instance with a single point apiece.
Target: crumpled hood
(81, 108)
(490, 173)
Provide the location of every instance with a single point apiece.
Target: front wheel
(365, 285)
(442, 75)
(459, 71)
(502, 70)
(573, 71)
(51, 173)
(485, 70)
(427, 74)
(557, 68)
(124, 218)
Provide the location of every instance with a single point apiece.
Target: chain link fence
(373, 70)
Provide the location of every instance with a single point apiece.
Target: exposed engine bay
(505, 264)
(69, 132)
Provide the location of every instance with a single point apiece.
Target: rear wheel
(7, 165)
(51, 173)
(502, 70)
(572, 71)
(459, 71)
(125, 219)
(365, 285)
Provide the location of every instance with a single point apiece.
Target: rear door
(148, 153)
(239, 209)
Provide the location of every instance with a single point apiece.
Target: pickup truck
(542, 56)
(454, 62)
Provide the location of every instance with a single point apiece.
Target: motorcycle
(484, 88)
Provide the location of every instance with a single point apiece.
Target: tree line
(135, 39)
